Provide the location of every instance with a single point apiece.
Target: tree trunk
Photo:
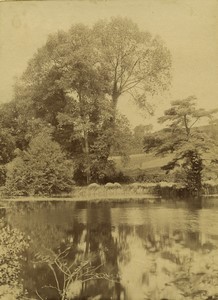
(112, 122)
(88, 167)
(115, 98)
(193, 173)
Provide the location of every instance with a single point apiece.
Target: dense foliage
(73, 84)
(41, 169)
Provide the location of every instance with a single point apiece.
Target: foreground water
(66, 250)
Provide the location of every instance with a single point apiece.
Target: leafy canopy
(111, 58)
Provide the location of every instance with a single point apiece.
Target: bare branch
(130, 73)
(50, 287)
(58, 264)
(194, 122)
(55, 276)
(132, 84)
(38, 295)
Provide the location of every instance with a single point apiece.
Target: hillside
(140, 161)
(142, 166)
(148, 165)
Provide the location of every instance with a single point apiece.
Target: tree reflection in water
(133, 252)
(101, 243)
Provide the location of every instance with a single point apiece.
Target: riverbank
(95, 192)
(142, 199)
(115, 192)
(146, 198)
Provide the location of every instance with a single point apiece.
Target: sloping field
(143, 167)
(140, 161)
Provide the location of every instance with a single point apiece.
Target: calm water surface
(126, 251)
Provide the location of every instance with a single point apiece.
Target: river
(131, 251)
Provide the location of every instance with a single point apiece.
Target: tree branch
(194, 122)
(38, 295)
(130, 73)
(186, 125)
(55, 276)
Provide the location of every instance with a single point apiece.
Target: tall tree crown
(111, 58)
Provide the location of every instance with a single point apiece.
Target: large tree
(192, 147)
(135, 62)
(112, 58)
(76, 79)
(63, 87)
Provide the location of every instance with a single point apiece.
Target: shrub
(108, 173)
(101, 172)
(41, 170)
(152, 177)
(80, 176)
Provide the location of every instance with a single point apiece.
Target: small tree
(190, 145)
(42, 169)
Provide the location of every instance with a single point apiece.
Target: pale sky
(188, 27)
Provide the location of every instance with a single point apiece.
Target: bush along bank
(115, 191)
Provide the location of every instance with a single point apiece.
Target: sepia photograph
(109, 150)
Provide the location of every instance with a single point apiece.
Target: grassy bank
(126, 192)
(95, 192)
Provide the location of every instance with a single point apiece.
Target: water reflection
(123, 251)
